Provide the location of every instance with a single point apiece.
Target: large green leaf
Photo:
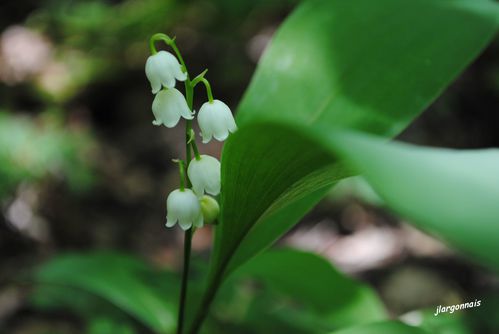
(371, 66)
(118, 279)
(359, 64)
(453, 194)
(314, 284)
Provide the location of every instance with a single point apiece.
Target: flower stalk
(188, 205)
(189, 142)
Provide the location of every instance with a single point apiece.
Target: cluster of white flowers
(189, 207)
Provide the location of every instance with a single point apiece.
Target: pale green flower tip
(188, 114)
(222, 136)
(181, 76)
(156, 89)
(199, 221)
(170, 223)
(206, 139)
(185, 225)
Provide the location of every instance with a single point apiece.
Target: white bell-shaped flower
(205, 175)
(168, 106)
(215, 120)
(183, 206)
(162, 69)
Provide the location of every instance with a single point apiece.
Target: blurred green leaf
(107, 326)
(390, 327)
(264, 316)
(81, 303)
(444, 323)
(32, 149)
(105, 27)
(452, 194)
(484, 319)
(312, 282)
(118, 279)
(242, 7)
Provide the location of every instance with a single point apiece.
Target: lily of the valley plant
(188, 205)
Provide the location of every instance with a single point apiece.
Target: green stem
(196, 151)
(207, 85)
(171, 43)
(214, 283)
(152, 47)
(201, 78)
(159, 37)
(205, 304)
(197, 79)
(189, 143)
(185, 280)
(181, 171)
(189, 96)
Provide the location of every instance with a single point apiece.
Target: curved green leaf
(312, 281)
(358, 64)
(117, 279)
(453, 194)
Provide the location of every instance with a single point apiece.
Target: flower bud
(168, 106)
(205, 175)
(183, 206)
(215, 120)
(209, 208)
(163, 68)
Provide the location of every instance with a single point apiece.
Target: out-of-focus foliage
(106, 326)
(267, 294)
(115, 285)
(454, 323)
(240, 7)
(104, 27)
(315, 287)
(442, 191)
(391, 327)
(123, 281)
(30, 151)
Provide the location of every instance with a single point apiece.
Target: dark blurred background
(82, 168)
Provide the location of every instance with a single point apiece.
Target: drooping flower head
(215, 120)
(168, 106)
(183, 206)
(162, 69)
(205, 175)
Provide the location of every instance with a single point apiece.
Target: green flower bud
(210, 209)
